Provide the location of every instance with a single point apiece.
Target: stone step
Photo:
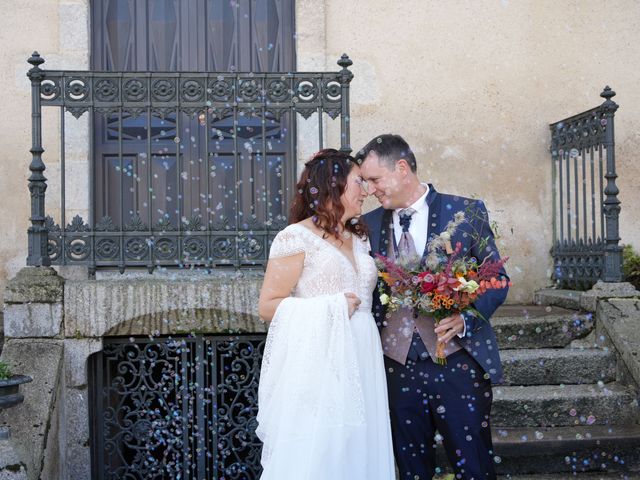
(555, 366)
(534, 326)
(563, 405)
(557, 297)
(561, 452)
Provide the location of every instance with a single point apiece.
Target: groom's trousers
(454, 399)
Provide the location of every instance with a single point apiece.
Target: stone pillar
(33, 304)
(34, 346)
(76, 455)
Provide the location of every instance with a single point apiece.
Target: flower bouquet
(446, 284)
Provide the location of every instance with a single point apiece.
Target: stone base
(35, 285)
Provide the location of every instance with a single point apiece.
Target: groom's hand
(449, 327)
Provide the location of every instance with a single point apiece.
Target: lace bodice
(326, 269)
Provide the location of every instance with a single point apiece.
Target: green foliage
(5, 373)
(631, 266)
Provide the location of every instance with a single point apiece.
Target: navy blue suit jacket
(480, 339)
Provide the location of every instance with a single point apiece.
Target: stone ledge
(157, 306)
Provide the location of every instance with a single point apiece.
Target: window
(173, 170)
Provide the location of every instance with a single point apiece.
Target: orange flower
(388, 279)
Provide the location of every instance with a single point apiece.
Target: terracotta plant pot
(10, 390)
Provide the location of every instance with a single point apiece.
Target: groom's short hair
(389, 148)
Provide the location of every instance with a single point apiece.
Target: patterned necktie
(406, 245)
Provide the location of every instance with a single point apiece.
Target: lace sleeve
(287, 243)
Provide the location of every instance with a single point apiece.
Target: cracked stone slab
(603, 291)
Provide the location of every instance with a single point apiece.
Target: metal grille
(585, 208)
(176, 408)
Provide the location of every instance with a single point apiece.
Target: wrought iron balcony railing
(183, 168)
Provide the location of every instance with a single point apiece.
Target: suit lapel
(433, 223)
(386, 229)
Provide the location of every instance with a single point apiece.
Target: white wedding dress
(322, 401)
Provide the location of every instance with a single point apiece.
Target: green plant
(631, 266)
(5, 373)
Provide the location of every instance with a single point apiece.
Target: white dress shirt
(419, 223)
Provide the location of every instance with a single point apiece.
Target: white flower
(384, 299)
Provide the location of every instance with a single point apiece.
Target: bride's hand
(353, 302)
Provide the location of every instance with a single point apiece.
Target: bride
(322, 399)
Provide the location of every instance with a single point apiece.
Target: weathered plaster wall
(59, 31)
(471, 85)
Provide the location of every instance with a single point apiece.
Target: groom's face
(385, 182)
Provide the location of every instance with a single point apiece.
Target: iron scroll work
(586, 208)
(192, 236)
(176, 408)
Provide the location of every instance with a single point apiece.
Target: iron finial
(609, 104)
(345, 61)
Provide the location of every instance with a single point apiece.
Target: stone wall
(53, 326)
(472, 86)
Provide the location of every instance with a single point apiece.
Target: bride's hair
(322, 183)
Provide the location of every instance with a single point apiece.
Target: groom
(454, 399)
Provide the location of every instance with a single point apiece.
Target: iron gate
(586, 208)
(178, 408)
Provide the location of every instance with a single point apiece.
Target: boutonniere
(446, 241)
